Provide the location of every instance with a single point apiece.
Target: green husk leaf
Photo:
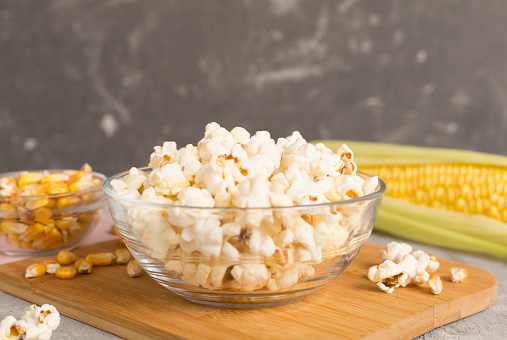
(419, 231)
(370, 153)
(475, 225)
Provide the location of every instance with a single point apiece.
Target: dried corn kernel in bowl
(42, 212)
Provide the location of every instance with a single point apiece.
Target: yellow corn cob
(445, 197)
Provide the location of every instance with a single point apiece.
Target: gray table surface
(489, 324)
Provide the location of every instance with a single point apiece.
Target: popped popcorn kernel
(402, 267)
(458, 274)
(37, 323)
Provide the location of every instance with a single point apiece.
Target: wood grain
(350, 307)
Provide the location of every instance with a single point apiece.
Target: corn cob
(450, 198)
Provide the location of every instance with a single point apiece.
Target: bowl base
(243, 301)
(239, 305)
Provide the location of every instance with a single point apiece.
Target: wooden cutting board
(350, 307)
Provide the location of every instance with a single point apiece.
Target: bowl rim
(99, 175)
(367, 198)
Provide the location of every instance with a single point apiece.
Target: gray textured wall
(103, 81)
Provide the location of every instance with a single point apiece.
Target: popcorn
(169, 179)
(251, 276)
(8, 329)
(248, 248)
(37, 323)
(403, 267)
(395, 251)
(458, 274)
(240, 135)
(39, 332)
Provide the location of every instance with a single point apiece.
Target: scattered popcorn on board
(402, 267)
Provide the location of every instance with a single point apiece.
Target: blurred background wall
(103, 81)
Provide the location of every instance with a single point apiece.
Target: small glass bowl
(199, 254)
(44, 224)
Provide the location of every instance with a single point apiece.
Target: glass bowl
(47, 223)
(224, 256)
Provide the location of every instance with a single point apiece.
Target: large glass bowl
(219, 256)
(45, 224)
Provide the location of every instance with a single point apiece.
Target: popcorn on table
(253, 248)
(37, 323)
(402, 266)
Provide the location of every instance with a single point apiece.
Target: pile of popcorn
(245, 249)
(402, 266)
(37, 323)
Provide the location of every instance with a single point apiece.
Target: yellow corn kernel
(35, 189)
(96, 182)
(25, 244)
(25, 215)
(101, 259)
(65, 273)
(458, 274)
(51, 266)
(70, 173)
(83, 266)
(65, 257)
(58, 188)
(50, 240)
(435, 283)
(122, 256)
(80, 176)
(8, 212)
(67, 201)
(17, 200)
(13, 227)
(86, 168)
(43, 215)
(65, 222)
(35, 270)
(85, 218)
(35, 230)
(14, 240)
(55, 177)
(114, 230)
(36, 203)
(29, 178)
(7, 207)
(134, 269)
(81, 185)
(49, 227)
